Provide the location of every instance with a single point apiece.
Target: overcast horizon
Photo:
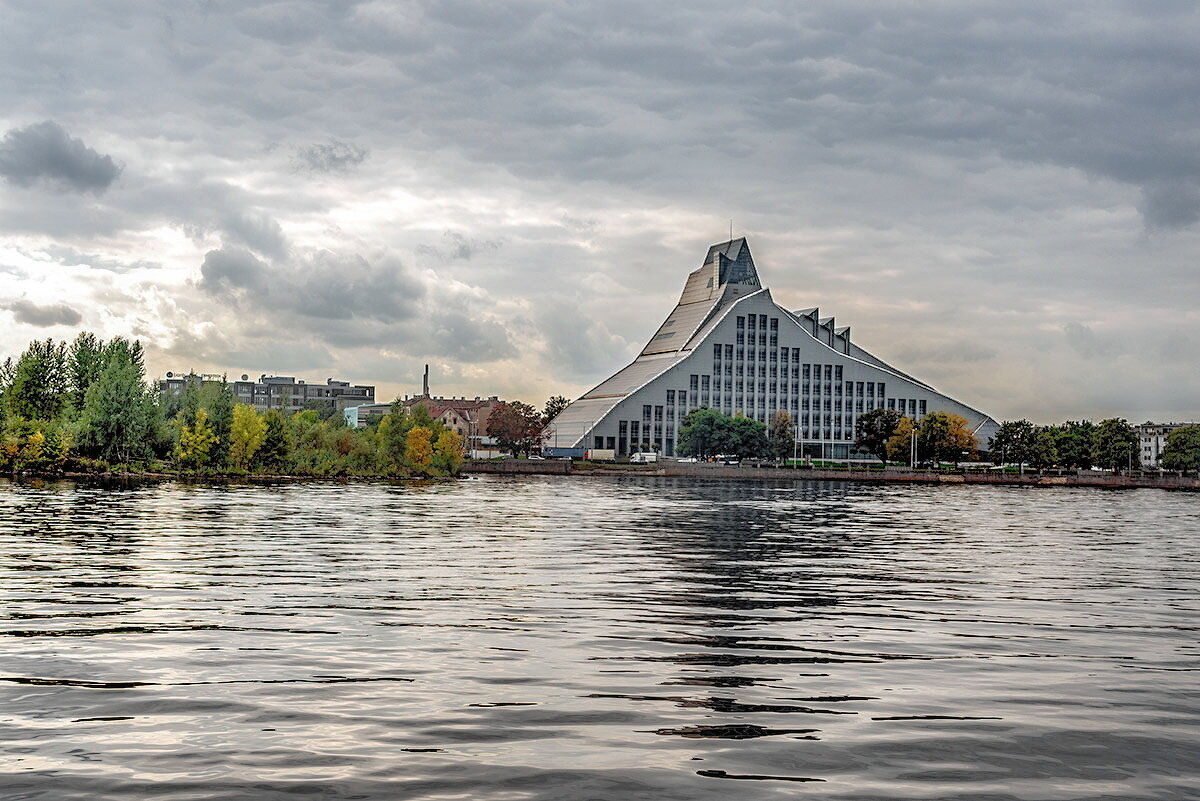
(1001, 199)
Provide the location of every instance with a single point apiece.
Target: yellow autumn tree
(899, 447)
(246, 435)
(448, 451)
(34, 451)
(960, 440)
(418, 449)
(196, 440)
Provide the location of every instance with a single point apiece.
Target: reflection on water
(558, 638)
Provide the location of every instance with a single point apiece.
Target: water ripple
(625, 638)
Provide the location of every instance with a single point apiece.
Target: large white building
(727, 345)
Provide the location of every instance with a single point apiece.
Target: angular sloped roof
(728, 270)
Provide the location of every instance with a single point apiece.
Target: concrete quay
(676, 469)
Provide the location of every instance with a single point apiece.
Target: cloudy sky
(1002, 198)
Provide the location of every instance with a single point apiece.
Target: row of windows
(724, 359)
(854, 389)
(757, 321)
(908, 406)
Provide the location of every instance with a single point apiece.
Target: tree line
(86, 406)
(934, 438)
(1111, 444)
(940, 437)
(1076, 444)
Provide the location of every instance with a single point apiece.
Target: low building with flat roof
(286, 393)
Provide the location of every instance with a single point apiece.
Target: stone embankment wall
(1081, 479)
(704, 470)
(530, 466)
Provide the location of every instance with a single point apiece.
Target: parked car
(536, 457)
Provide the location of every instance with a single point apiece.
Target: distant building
(1152, 438)
(365, 414)
(467, 417)
(285, 393)
(729, 346)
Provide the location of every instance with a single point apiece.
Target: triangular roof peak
(731, 263)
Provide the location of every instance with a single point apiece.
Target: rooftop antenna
(731, 229)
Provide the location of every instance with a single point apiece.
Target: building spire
(425, 383)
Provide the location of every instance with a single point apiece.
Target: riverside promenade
(1085, 478)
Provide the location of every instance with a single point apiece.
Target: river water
(591, 638)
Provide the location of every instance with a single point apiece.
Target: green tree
(392, 437)
(875, 428)
(1043, 448)
(1012, 442)
(704, 432)
(196, 441)
(276, 447)
(747, 437)
(8, 368)
(247, 435)
(325, 407)
(1114, 444)
(115, 423)
(219, 406)
(85, 362)
(38, 389)
(1073, 442)
(554, 405)
(782, 435)
(1183, 449)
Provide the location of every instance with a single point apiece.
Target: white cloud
(516, 192)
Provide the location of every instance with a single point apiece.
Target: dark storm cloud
(334, 286)
(320, 285)
(231, 270)
(464, 337)
(258, 232)
(334, 156)
(43, 152)
(352, 302)
(1170, 204)
(24, 311)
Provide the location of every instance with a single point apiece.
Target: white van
(643, 458)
